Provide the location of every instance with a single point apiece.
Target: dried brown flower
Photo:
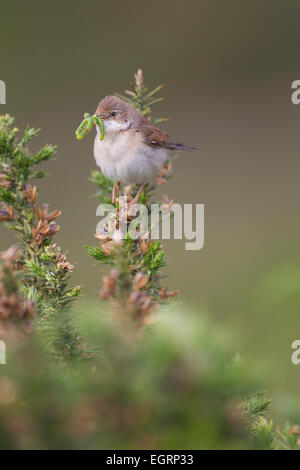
(164, 294)
(54, 215)
(63, 263)
(164, 173)
(295, 430)
(144, 245)
(4, 183)
(109, 285)
(15, 311)
(160, 180)
(141, 305)
(139, 79)
(44, 230)
(11, 258)
(31, 193)
(45, 216)
(102, 236)
(7, 213)
(140, 281)
(107, 247)
(53, 229)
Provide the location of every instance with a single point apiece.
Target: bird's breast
(114, 148)
(126, 158)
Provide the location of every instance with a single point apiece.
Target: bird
(134, 150)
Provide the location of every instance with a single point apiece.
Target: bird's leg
(116, 188)
(136, 198)
(127, 192)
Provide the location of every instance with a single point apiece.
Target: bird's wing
(155, 137)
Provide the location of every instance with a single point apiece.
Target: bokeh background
(228, 68)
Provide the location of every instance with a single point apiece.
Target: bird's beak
(102, 116)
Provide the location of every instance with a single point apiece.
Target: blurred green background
(228, 68)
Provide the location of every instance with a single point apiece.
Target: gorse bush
(173, 385)
(178, 387)
(44, 267)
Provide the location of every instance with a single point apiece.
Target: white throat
(113, 126)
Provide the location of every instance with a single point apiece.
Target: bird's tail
(181, 147)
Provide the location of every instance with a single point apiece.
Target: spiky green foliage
(45, 269)
(256, 406)
(105, 186)
(255, 410)
(53, 297)
(141, 98)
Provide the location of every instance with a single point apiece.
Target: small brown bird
(134, 150)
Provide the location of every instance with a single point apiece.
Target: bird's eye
(113, 113)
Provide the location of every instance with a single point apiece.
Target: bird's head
(116, 114)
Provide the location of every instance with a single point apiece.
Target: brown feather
(155, 137)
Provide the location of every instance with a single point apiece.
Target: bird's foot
(136, 198)
(116, 189)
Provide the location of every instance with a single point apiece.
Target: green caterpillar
(87, 124)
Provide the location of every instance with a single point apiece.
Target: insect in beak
(87, 124)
